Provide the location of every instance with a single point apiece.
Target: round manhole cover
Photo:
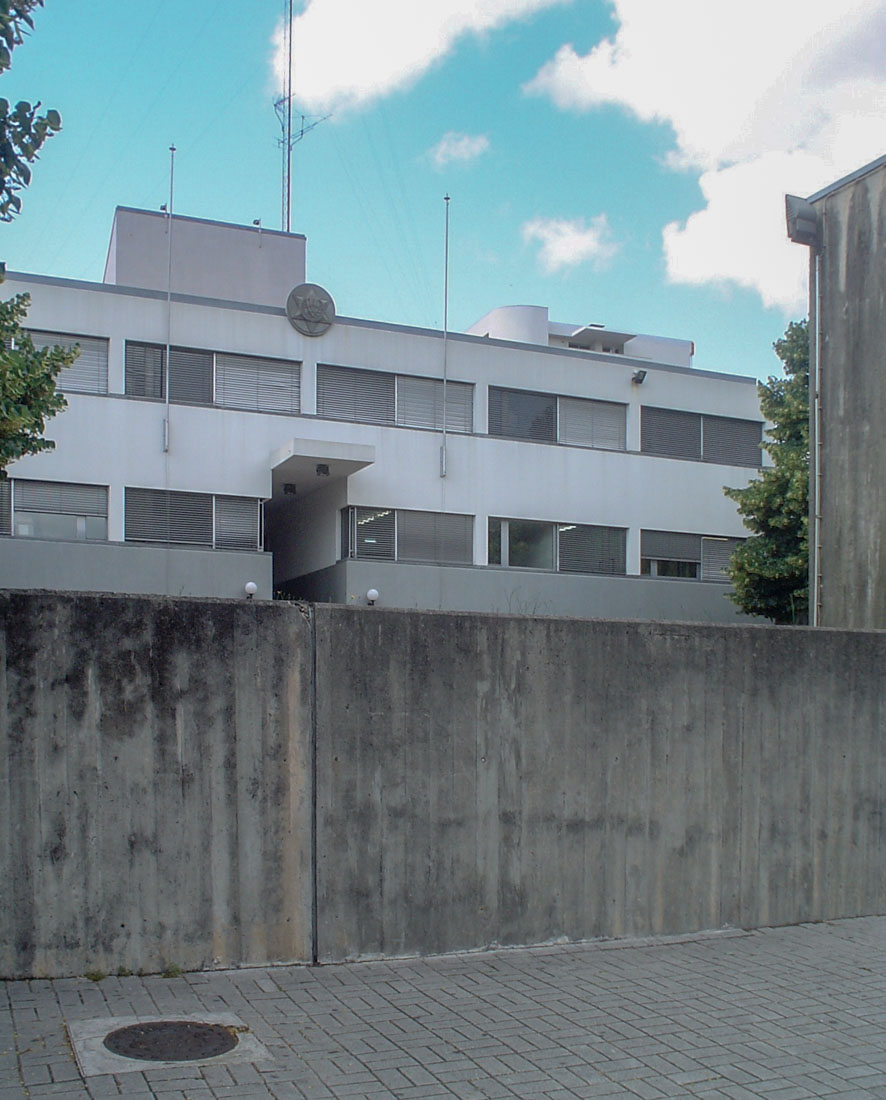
(171, 1041)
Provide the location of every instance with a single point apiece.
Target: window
(192, 519)
(592, 423)
(675, 433)
(190, 373)
(435, 537)
(670, 554)
(519, 414)
(206, 378)
(731, 441)
(89, 372)
(190, 376)
(377, 397)
(398, 535)
(54, 510)
(587, 549)
(670, 432)
(263, 385)
(690, 557)
(715, 555)
(145, 371)
(574, 547)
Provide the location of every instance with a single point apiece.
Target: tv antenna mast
(283, 107)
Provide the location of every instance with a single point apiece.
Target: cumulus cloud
(763, 98)
(568, 243)
(347, 53)
(453, 146)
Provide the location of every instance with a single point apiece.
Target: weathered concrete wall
(519, 592)
(154, 783)
(852, 320)
(477, 779)
(484, 779)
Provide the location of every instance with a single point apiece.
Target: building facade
(845, 226)
(221, 432)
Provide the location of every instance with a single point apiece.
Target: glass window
(530, 544)
(375, 533)
(517, 414)
(494, 549)
(50, 525)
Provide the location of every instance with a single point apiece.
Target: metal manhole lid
(171, 1041)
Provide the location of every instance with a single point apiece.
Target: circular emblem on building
(310, 309)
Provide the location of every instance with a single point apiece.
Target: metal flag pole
(168, 293)
(445, 333)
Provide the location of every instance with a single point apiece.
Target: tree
(22, 130)
(28, 396)
(769, 571)
(27, 374)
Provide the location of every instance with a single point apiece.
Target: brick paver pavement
(780, 1014)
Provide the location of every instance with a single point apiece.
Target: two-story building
(225, 428)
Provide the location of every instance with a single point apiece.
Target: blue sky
(621, 161)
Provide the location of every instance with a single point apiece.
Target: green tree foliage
(27, 375)
(22, 130)
(769, 570)
(27, 385)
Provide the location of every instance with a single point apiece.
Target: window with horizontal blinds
(589, 423)
(190, 376)
(374, 533)
(585, 548)
(62, 498)
(59, 510)
(715, 555)
(435, 537)
(671, 433)
(263, 385)
(5, 507)
(345, 393)
(161, 515)
(731, 441)
(670, 545)
(89, 372)
(420, 404)
(236, 523)
(519, 414)
(145, 370)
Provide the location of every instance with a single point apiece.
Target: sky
(619, 161)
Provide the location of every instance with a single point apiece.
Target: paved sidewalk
(780, 1014)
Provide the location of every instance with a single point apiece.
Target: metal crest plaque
(310, 309)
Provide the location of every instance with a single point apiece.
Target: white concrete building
(209, 443)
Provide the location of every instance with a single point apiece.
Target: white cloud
(347, 53)
(763, 98)
(568, 243)
(453, 146)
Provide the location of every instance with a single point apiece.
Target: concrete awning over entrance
(309, 464)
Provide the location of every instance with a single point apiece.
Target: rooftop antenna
(283, 107)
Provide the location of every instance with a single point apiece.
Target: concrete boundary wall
(203, 783)
(485, 779)
(154, 783)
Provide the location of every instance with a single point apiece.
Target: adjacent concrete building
(845, 226)
(226, 428)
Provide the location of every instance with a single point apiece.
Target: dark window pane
(530, 544)
(515, 414)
